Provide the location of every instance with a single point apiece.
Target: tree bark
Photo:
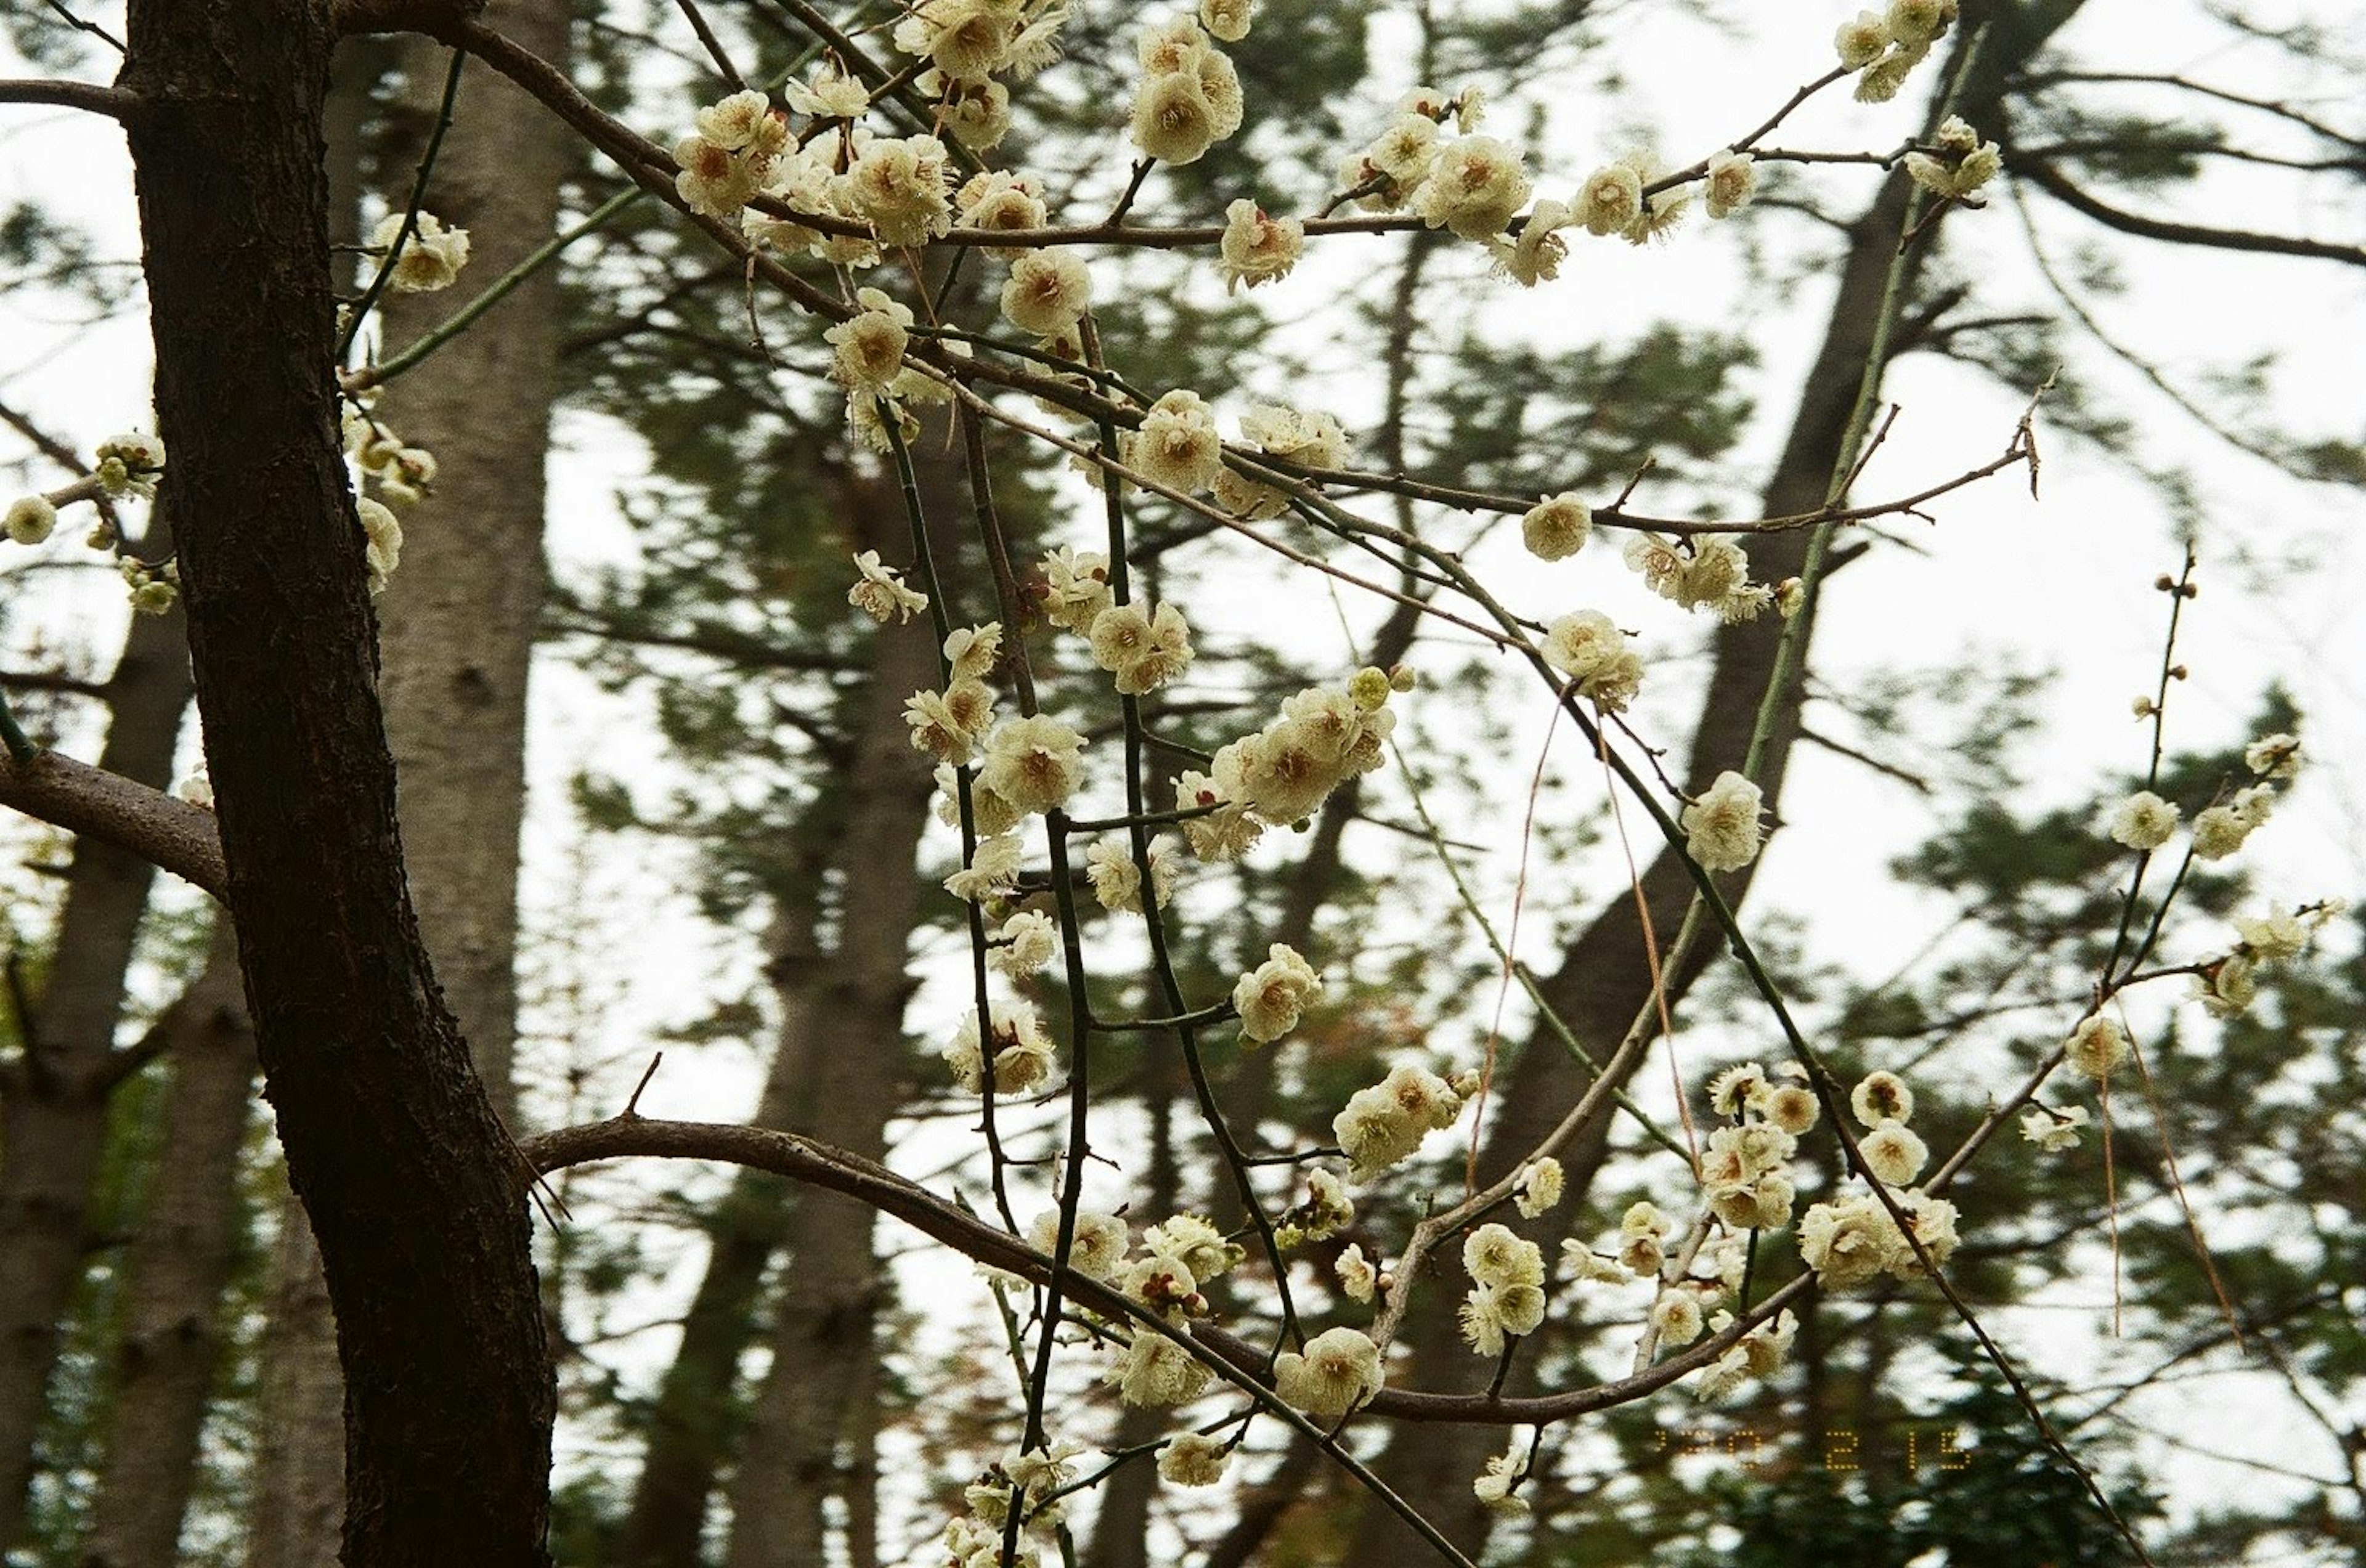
(455, 624)
(54, 1094)
(176, 1268)
(405, 1171)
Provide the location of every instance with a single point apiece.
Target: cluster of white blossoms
(1850, 1240)
(726, 160)
(401, 474)
(1705, 571)
(1507, 1296)
(1178, 1256)
(1885, 47)
(1339, 1370)
(1893, 1151)
(1959, 165)
(1386, 1122)
(1307, 436)
(1590, 650)
(1683, 1309)
(1757, 1354)
(1615, 198)
(1283, 773)
(431, 258)
(1030, 1477)
(126, 468)
(1745, 1168)
(1022, 1052)
(1640, 1253)
(1189, 97)
(154, 587)
(1143, 646)
(1116, 879)
(1270, 997)
(967, 44)
(2227, 986)
(1324, 1211)
(1721, 828)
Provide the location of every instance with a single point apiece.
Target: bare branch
(2059, 186)
(170, 833)
(95, 97)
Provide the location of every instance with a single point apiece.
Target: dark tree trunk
(407, 1175)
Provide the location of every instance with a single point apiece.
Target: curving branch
(167, 833)
(810, 1160)
(95, 97)
(2062, 188)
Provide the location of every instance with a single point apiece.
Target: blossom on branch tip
(880, 592)
(1721, 828)
(2143, 821)
(1270, 997)
(30, 520)
(430, 259)
(1730, 179)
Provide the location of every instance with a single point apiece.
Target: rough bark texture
(409, 1180)
(176, 1268)
(53, 1095)
(456, 624)
(1604, 976)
